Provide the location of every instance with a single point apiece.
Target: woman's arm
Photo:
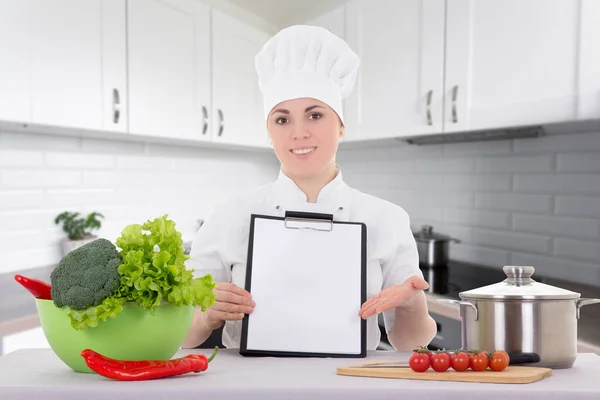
(199, 330)
(413, 326)
(402, 299)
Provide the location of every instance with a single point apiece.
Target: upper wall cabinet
(399, 88)
(169, 68)
(237, 113)
(63, 63)
(513, 62)
(15, 98)
(436, 66)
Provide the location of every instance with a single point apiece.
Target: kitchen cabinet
(15, 101)
(434, 66)
(169, 68)
(63, 61)
(31, 338)
(237, 114)
(399, 88)
(513, 63)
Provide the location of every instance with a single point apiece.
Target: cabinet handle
(116, 106)
(429, 97)
(221, 122)
(204, 120)
(454, 97)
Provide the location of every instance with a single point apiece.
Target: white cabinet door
(29, 339)
(15, 102)
(400, 81)
(67, 66)
(589, 61)
(238, 116)
(169, 75)
(512, 62)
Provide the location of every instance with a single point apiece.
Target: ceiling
(281, 13)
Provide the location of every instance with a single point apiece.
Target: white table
(39, 374)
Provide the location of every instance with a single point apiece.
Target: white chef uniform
(307, 61)
(220, 247)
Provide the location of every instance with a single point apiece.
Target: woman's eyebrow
(312, 108)
(284, 111)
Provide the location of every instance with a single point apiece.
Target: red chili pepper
(125, 370)
(39, 289)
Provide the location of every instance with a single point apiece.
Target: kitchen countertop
(38, 373)
(17, 307)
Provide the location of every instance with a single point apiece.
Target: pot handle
(585, 302)
(461, 303)
(523, 358)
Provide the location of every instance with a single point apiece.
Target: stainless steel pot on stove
(533, 322)
(433, 247)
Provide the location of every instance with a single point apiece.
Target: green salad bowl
(134, 334)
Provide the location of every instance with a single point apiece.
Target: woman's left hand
(393, 297)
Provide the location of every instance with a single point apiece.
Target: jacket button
(341, 208)
(277, 207)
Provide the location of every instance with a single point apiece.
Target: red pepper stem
(213, 354)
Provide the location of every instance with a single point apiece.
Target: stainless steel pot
(533, 322)
(433, 248)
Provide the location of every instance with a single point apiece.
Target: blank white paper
(307, 288)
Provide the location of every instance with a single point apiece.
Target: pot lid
(519, 285)
(427, 234)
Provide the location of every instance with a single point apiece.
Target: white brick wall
(526, 201)
(42, 175)
(529, 201)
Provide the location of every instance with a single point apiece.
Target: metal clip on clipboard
(312, 221)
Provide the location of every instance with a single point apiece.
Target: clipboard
(308, 276)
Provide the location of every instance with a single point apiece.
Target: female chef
(304, 72)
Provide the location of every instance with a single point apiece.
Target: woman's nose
(300, 131)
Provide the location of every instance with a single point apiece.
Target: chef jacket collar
(288, 191)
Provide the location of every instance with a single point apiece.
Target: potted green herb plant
(78, 229)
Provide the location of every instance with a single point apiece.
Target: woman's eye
(315, 116)
(281, 120)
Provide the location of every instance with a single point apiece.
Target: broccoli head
(86, 275)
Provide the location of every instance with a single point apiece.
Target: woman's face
(305, 134)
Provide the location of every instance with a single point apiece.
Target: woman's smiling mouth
(304, 150)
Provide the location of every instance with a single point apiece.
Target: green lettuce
(152, 273)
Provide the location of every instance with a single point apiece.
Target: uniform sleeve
(208, 254)
(402, 261)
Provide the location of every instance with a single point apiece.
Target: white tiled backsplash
(524, 202)
(42, 175)
(527, 201)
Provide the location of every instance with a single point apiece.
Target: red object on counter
(124, 370)
(39, 289)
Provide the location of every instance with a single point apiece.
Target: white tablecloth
(39, 374)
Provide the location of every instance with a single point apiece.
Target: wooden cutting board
(512, 374)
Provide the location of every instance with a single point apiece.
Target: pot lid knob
(427, 230)
(518, 275)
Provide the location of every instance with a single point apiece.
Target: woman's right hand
(232, 302)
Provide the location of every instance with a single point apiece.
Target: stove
(456, 277)
(449, 281)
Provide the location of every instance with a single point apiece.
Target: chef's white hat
(306, 61)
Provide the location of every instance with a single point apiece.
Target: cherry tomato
(479, 362)
(440, 362)
(460, 361)
(419, 362)
(499, 361)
